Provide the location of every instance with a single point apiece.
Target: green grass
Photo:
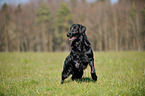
(119, 73)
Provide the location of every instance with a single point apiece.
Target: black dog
(81, 54)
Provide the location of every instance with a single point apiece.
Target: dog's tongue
(72, 38)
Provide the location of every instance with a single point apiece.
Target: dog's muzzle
(70, 37)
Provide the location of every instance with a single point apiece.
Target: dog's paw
(94, 76)
(73, 78)
(62, 81)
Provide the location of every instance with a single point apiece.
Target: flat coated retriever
(80, 56)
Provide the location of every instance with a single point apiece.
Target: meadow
(32, 74)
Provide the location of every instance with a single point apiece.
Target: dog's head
(75, 31)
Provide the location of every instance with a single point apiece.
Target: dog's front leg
(93, 73)
(65, 73)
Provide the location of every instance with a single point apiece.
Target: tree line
(41, 25)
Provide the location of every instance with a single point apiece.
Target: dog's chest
(80, 47)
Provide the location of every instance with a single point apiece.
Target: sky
(112, 1)
(25, 1)
(13, 1)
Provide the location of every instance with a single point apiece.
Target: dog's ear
(82, 29)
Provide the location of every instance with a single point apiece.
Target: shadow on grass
(84, 79)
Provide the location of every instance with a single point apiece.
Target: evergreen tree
(63, 21)
(43, 14)
(43, 19)
(4, 28)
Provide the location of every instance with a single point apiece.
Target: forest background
(41, 25)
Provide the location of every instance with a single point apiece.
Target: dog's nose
(68, 34)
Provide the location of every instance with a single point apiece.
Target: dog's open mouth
(72, 38)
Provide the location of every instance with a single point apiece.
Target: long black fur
(80, 56)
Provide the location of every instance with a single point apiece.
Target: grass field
(119, 73)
